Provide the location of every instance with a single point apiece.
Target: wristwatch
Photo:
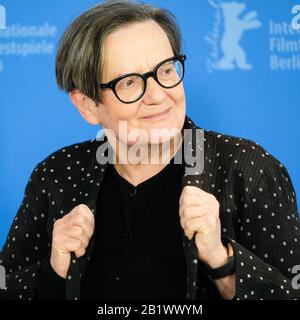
(223, 271)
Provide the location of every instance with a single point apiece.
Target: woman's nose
(154, 92)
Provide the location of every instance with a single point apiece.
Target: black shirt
(144, 257)
(138, 242)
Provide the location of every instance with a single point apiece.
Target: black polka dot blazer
(258, 214)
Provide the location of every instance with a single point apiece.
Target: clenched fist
(199, 212)
(71, 233)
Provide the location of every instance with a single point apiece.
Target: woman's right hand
(71, 233)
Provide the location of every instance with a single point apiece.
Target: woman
(100, 220)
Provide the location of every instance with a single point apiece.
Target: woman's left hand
(199, 212)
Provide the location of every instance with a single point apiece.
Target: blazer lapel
(88, 196)
(193, 176)
(193, 151)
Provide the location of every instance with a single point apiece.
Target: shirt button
(128, 235)
(133, 193)
(118, 279)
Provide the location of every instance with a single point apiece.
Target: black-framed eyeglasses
(130, 87)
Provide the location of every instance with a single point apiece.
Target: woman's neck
(148, 160)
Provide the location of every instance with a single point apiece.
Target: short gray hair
(79, 59)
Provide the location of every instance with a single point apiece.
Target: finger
(84, 229)
(189, 234)
(190, 226)
(210, 209)
(77, 232)
(80, 252)
(196, 198)
(193, 211)
(191, 200)
(81, 217)
(192, 190)
(187, 193)
(199, 224)
(86, 211)
(81, 227)
(203, 225)
(67, 244)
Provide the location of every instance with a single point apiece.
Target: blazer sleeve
(267, 245)
(27, 242)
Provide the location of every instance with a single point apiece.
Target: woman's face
(139, 48)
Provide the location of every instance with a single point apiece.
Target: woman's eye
(127, 84)
(168, 71)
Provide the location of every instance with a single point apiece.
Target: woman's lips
(158, 116)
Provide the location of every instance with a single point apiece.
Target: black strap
(223, 271)
(73, 279)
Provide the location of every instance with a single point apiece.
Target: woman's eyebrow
(119, 74)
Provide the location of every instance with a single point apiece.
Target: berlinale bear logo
(234, 29)
(227, 51)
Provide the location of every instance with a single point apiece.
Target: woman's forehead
(135, 48)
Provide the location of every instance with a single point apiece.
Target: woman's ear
(86, 106)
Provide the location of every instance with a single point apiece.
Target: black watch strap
(223, 271)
